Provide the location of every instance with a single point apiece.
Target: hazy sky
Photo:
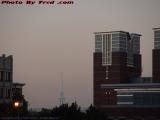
(46, 40)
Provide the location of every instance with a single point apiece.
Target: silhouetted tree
(66, 112)
(93, 113)
(4, 109)
(61, 111)
(45, 112)
(8, 109)
(75, 112)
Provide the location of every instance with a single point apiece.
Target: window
(98, 43)
(6, 76)
(115, 49)
(9, 76)
(125, 99)
(1, 93)
(157, 33)
(119, 43)
(9, 93)
(157, 44)
(130, 49)
(157, 39)
(115, 35)
(107, 50)
(0, 75)
(136, 44)
(6, 95)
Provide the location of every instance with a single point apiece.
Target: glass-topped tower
(156, 56)
(117, 60)
(156, 38)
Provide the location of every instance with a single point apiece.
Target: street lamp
(17, 105)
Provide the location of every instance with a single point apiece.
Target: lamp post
(17, 105)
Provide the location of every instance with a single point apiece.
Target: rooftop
(19, 84)
(111, 32)
(156, 28)
(118, 32)
(132, 85)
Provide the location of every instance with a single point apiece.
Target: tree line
(62, 112)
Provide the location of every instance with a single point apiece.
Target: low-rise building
(9, 91)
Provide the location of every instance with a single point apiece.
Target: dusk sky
(46, 40)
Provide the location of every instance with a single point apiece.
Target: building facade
(156, 56)
(133, 99)
(117, 59)
(119, 89)
(6, 71)
(136, 94)
(9, 91)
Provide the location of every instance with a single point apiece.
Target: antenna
(62, 98)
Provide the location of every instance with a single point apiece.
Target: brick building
(117, 60)
(156, 56)
(117, 83)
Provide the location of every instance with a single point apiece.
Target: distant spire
(62, 98)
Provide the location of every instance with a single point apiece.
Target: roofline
(117, 31)
(21, 84)
(110, 32)
(156, 28)
(4, 56)
(135, 34)
(137, 85)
